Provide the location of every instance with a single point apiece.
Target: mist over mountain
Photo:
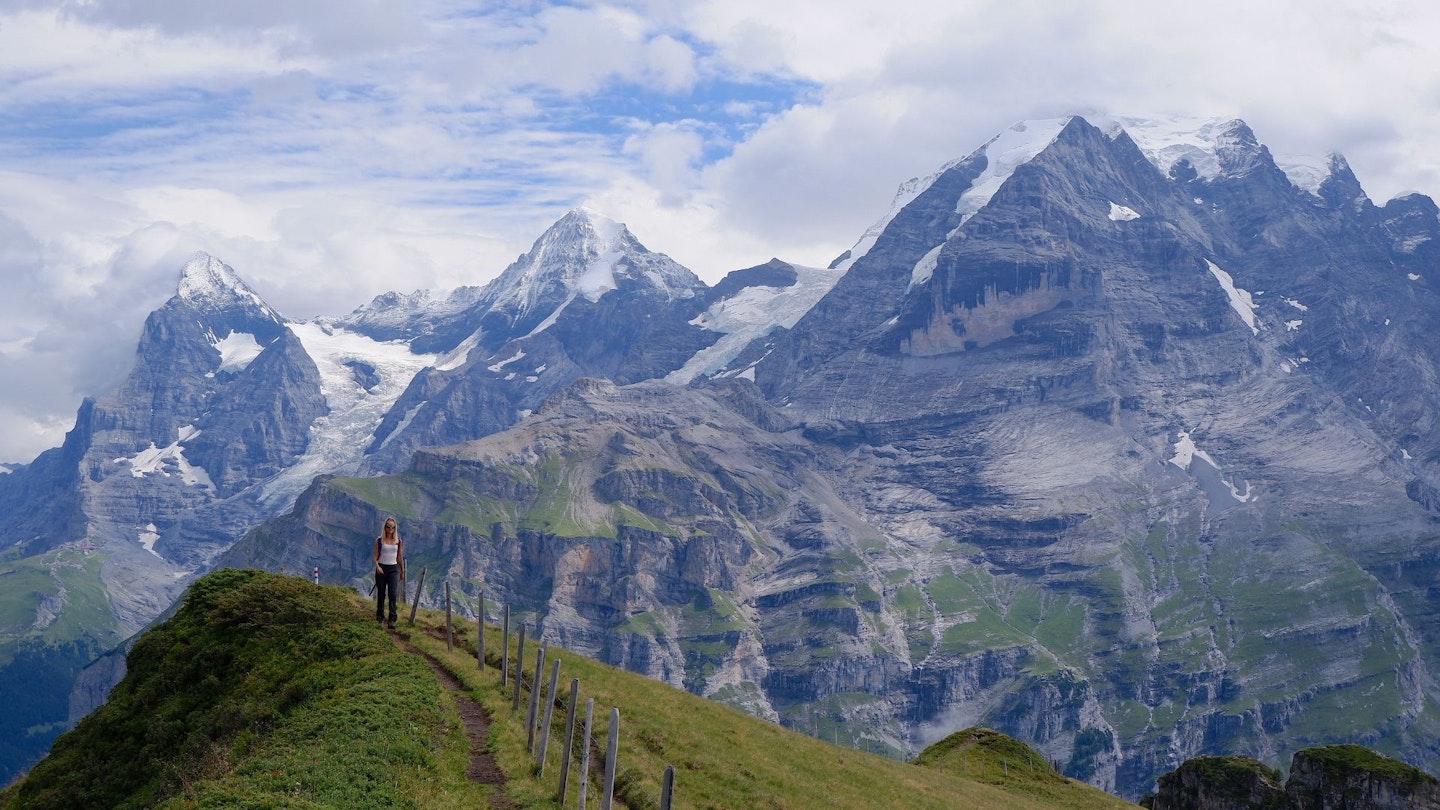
(1114, 435)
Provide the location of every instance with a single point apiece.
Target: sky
(333, 150)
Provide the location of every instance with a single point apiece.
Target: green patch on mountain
(65, 584)
(477, 511)
(650, 623)
(712, 611)
(398, 494)
(971, 601)
(1342, 761)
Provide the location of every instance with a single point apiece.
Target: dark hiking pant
(387, 585)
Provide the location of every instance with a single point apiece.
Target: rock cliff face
(1152, 399)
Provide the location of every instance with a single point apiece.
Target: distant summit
(583, 255)
(209, 284)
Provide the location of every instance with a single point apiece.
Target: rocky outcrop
(1334, 777)
(93, 684)
(1220, 783)
(1352, 777)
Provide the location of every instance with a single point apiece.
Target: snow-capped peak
(1215, 147)
(209, 284)
(586, 254)
(1167, 140)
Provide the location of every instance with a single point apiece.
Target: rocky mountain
(222, 394)
(231, 410)
(546, 321)
(1136, 414)
(1114, 435)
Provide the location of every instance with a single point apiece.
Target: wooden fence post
(449, 628)
(549, 716)
(418, 587)
(585, 752)
(536, 687)
(667, 788)
(519, 669)
(505, 651)
(569, 740)
(612, 754)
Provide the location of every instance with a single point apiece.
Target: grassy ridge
(265, 691)
(261, 691)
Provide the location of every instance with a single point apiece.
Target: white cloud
(575, 50)
(47, 55)
(670, 155)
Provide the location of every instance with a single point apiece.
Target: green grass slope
(261, 691)
(725, 758)
(265, 691)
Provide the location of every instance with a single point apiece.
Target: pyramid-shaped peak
(207, 283)
(586, 254)
(584, 213)
(590, 230)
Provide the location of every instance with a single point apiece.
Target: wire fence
(582, 754)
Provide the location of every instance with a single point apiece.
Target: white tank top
(389, 552)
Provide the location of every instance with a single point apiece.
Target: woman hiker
(389, 569)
